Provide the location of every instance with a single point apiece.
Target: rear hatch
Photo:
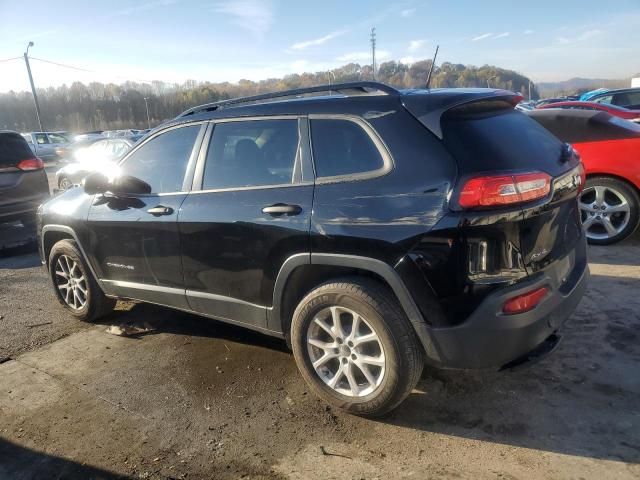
(22, 177)
(489, 139)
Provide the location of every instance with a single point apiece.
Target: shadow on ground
(24, 459)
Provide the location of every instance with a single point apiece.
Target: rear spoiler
(428, 106)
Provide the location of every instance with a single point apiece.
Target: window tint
(162, 161)
(341, 147)
(251, 153)
(13, 149)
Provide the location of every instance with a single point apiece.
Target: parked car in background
(99, 156)
(623, 97)
(80, 137)
(23, 181)
(610, 150)
(374, 229)
(626, 113)
(44, 144)
(68, 153)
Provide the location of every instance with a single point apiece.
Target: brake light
(504, 189)
(525, 302)
(31, 164)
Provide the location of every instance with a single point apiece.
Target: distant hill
(579, 85)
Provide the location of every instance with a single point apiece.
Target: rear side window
(13, 149)
(342, 147)
(251, 153)
(162, 161)
(41, 139)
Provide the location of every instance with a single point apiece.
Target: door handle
(160, 210)
(282, 209)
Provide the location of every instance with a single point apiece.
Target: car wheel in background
(355, 347)
(74, 284)
(610, 210)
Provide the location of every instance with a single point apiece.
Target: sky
(227, 40)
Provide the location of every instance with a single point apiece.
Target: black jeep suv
(374, 229)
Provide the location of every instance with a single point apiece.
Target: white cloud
(481, 37)
(589, 34)
(140, 8)
(528, 32)
(254, 16)
(363, 56)
(408, 59)
(502, 35)
(317, 41)
(407, 12)
(415, 45)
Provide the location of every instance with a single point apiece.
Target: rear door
(505, 140)
(249, 210)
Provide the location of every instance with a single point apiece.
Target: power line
(87, 70)
(9, 59)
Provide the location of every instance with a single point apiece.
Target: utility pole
(147, 106)
(529, 90)
(33, 87)
(373, 51)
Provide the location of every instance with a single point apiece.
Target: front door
(134, 241)
(250, 211)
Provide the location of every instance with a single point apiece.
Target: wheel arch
(614, 176)
(52, 234)
(306, 271)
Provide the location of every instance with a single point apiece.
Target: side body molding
(422, 329)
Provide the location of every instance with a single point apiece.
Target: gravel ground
(195, 398)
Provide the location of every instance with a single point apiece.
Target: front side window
(251, 153)
(342, 147)
(162, 161)
(41, 139)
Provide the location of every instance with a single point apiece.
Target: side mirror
(127, 185)
(95, 183)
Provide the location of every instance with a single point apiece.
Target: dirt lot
(199, 399)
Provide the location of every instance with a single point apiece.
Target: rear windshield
(500, 141)
(13, 149)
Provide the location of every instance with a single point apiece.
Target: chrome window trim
(256, 187)
(387, 160)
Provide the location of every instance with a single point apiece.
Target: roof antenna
(433, 62)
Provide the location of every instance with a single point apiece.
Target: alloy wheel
(71, 282)
(65, 184)
(605, 212)
(346, 352)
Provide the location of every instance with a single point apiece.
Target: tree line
(99, 106)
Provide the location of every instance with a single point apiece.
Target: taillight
(525, 302)
(31, 164)
(504, 189)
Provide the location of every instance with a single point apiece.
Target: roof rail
(350, 88)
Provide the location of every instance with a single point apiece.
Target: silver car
(44, 144)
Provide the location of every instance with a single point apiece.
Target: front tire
(74, 285)
(355, 347)
(64, 183)
(610, 210)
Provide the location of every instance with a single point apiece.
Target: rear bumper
(490, 339)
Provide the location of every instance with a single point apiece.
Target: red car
(610, 151)
(627, 114)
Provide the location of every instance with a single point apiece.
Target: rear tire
(74, 285)
(369, 371)
(610, 210)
